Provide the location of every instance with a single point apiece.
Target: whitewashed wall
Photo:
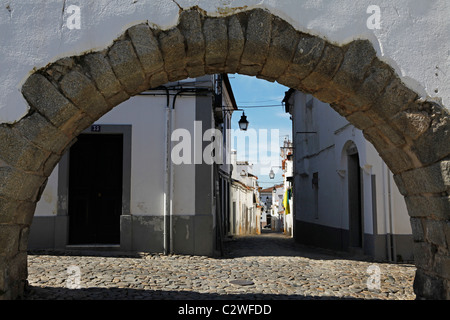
(413, 35)
(329, 158)
(146, 114)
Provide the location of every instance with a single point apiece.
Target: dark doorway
(354, 199)
(95, 189)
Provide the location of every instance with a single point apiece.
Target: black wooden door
(95, 189)
(354, 202)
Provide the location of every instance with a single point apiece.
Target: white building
(346, 198)
(278, 212)
(245, 213)
(265, 197)
(287, 154)
(139, 178)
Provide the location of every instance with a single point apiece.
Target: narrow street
(267, 266)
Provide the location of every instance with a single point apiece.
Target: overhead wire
(266, 106)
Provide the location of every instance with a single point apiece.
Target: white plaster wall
(330, 159)
(414, 35)
(146, 114)
(183, 193)
(147, 150)
(48, 204)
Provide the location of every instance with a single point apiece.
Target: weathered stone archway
(68, 95)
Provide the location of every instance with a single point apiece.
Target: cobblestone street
(268, 266)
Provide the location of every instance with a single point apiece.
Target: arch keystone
(257, 41)
(215, 31)
(236, 41)
(190, 26)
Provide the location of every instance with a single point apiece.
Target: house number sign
(96, 128)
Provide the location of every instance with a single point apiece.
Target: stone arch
(66, 96)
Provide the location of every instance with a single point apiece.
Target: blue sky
(250, 91)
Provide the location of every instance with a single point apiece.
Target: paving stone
(283, 270)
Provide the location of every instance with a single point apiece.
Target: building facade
(266, 202)
(245, 205)
(346, 198)
(139, 179)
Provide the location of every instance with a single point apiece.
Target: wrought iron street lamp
(243, 123)
(271, 173)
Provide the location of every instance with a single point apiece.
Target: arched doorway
(355, 213)
(68, 95)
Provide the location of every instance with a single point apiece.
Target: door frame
(359, 230)
(63, 170)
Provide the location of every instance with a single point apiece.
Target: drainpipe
(386, 214)
(168, 179)
(390, 244)
(391, 219)
(167, 207)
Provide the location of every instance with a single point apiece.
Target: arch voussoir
(215, 32)
(14, 211)
(377, 77)
(173, 51)
(433, 143)
(257, 42)
(127, 67)
(20, 152)
(307, 55)
(319, 80)
(190, 25)
(19, 185)
(100, 71)
(236, 41)
(13, 266)
(147, 49)
(284, 40)
(82, 92)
